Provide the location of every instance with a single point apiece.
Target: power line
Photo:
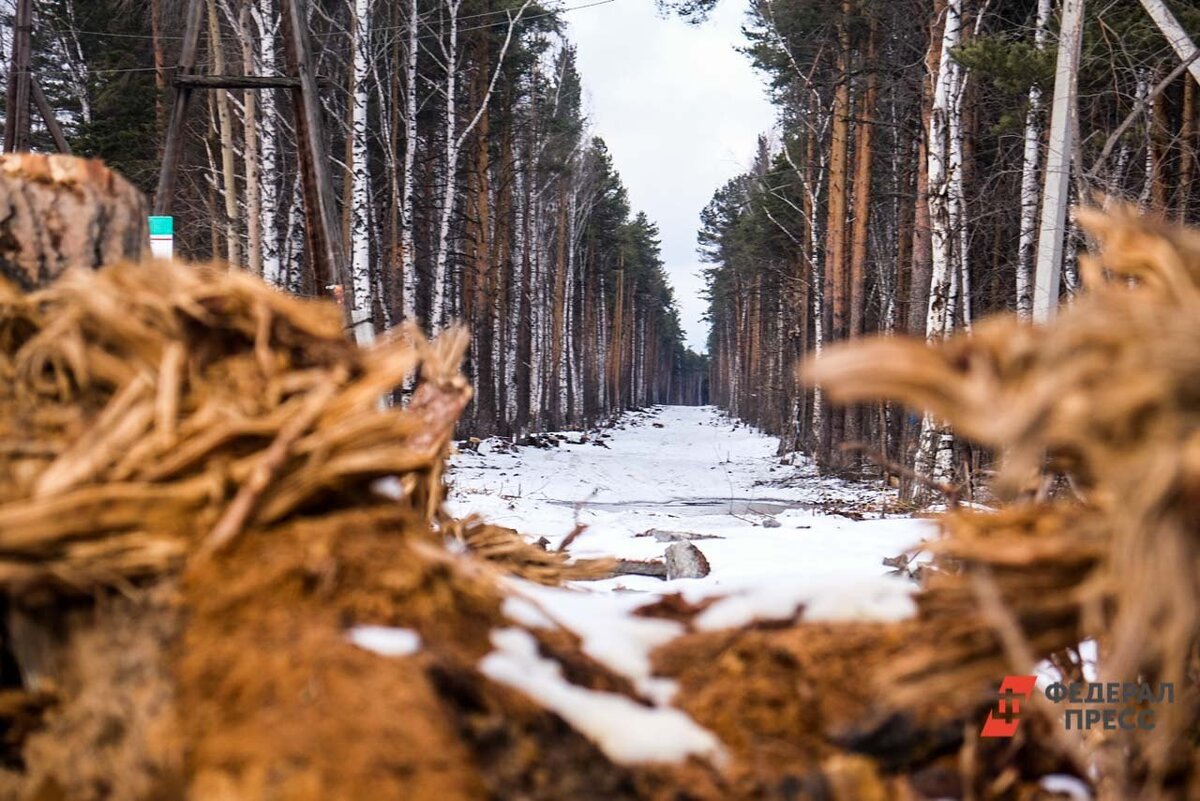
(549, 13)
(125, 69)
(119, 71)
(148, 37)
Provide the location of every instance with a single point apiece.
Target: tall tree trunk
(1030, 162)
(864, 152)
(228, 169)
(922, 258)
(1187, 150)
(266, 19)
(250, 154)
(362, 296)
(559, 306)
(408, 264)
(835, 218)
(935, 448)
(523, 367)
(483, 284)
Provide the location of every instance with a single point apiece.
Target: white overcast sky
(680, 109)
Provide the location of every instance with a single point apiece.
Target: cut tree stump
(60, 212)
(684, 560)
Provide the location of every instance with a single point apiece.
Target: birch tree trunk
(408, 262)
(437, 313)
(1184, 47)
(958, 204)
(1030, 161)
(268, 139)
(454, 142)
(363, 293)
(935, 447)
(294, 239)
(1059, 154)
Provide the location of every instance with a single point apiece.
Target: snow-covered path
(689, 469)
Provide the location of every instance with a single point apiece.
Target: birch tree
(454, 139)
(266, 22)
(936, 445)
(360, 177)
(1030, 161)
(408, 256)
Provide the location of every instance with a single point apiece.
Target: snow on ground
(679, 469)
(625, 730)
(682, 468)
(385, 640)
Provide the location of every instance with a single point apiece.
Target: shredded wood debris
(1107, 395)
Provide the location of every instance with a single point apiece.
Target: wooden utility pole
(321, 224)
(23, 87)
(164, 195)
(321, 220)
(1058, 164)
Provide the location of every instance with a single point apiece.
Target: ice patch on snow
(883, 599)
(624, 730)
(385, 640)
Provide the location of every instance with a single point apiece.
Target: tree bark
(266, 19)
(835, 217)
(1030, 161)
(864, 152)
(225, 122)
(250, 151)
(1187, 150)
(59, 213)
(362, 298)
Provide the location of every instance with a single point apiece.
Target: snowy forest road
(688, 469)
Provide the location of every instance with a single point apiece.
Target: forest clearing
(391, 410)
